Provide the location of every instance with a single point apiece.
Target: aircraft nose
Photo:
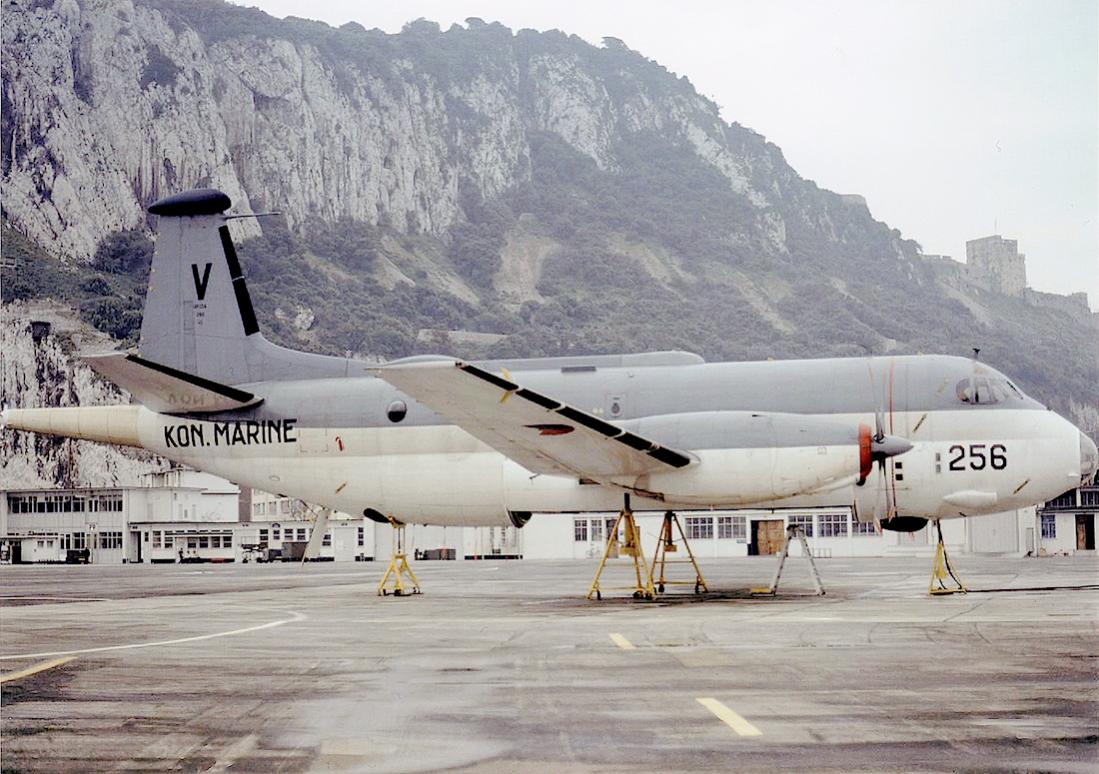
(1089, 458)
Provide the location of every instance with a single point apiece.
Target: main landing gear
(942, 569)
(393, 580)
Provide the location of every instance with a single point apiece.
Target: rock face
(108, 104)
(35, 371)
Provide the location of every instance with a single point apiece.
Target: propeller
(316, 538)
(875, 448)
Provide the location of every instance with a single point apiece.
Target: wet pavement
(505, 666)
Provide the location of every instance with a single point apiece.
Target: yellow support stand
(630, 546)
(398, 568)
(942, 569)
(665, 545)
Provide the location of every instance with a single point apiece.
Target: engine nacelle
(775, 456)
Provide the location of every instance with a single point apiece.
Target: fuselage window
(396, 411)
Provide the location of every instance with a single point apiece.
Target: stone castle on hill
(995, 265)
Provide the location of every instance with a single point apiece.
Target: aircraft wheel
(660, 588)
(598, 594)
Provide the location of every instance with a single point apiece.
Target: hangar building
(185, 515)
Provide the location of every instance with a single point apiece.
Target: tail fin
(198, 316)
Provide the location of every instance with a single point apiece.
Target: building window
(1049, 526)
(865, 528)
(275, 534)
(203, 541)
(110, 540)
(263, 536)
(1089, 498)
(1066, 500)
(301, 533)
(805, 522)
(361, 536)
(286, 506)
(700, 528)
(580, 530)
(832, 524)
(597, 530)
(731, 528)
(327, 539)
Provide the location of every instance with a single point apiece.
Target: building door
(767, 536)
(1085, 532)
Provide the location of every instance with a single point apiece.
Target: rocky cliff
(476, 191)
(108, 104)
(36, 370)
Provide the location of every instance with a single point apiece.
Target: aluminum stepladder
(793, 532)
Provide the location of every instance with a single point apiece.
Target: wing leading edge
(540, 433)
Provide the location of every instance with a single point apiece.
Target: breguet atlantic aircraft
(435, 440)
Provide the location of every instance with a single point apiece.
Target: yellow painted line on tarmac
(621, 642)
(34, 669)
(730, 718)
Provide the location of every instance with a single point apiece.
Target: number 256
(996, 456)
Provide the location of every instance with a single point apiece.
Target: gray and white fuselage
(437, 441)
(766, 434)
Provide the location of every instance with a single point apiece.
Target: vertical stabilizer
(198, 316)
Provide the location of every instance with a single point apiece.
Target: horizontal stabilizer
(166, 390)
(540, 433)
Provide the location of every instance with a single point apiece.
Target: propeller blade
(881, 502)
(316, 540)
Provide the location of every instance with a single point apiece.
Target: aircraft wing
(540, 433)
(164, 389)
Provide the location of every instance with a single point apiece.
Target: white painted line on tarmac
(295, 617)
(621, 642)
(730, 718)
(34, 669)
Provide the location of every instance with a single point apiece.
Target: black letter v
(200, 284)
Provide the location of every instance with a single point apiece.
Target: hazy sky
(954, 118)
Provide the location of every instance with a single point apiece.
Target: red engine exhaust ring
(866, 463)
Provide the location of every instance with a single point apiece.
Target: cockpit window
(986, 390)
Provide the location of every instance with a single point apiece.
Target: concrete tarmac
(505, 667)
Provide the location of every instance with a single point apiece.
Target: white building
(830, 532)
(1068, 523)
(176, 512)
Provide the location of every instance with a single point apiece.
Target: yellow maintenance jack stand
(666, 545)
(942, 569)
(629, 546)
(398, 567)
